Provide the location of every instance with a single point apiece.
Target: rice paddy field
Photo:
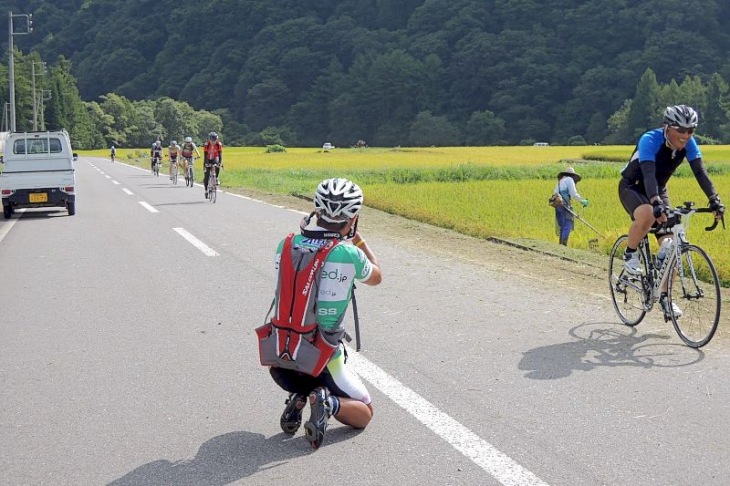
(479, 191)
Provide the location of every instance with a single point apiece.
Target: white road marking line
(5, 227)
(148, 207)
(108, 176)
(497, 464)
(482, 453)
(116, 183)
(208, 251)
(127, 191)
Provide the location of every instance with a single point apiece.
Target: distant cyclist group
(183, 157)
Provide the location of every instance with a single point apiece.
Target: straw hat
(570, 172)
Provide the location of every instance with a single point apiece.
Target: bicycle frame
(658, 278)
(212, 181)
(686, 276)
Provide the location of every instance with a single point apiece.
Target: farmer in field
(302, 342)
(643, 186)
(564, 218)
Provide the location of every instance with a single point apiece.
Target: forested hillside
(399, 72)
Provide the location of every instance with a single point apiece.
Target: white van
(38, 171)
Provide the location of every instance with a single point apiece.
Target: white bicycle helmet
(173, 143)
(188, 139)
(337, 200)
(680, 116)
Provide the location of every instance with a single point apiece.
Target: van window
(38, 146)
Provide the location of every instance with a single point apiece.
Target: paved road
(127, 357)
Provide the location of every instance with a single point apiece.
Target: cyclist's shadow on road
(228, 458)
(598, 344)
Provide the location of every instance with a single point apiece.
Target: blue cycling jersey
(652, 147)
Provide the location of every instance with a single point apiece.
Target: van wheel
(71, 208)
(7, 211)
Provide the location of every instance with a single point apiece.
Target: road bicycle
(156, 167)
(212, 193)
(173, 171)
(189, 172)
(687, 272)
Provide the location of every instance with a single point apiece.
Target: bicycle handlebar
(688, 208)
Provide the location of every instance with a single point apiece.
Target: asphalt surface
(128, 357)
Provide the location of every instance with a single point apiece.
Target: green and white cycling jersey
(345, 264)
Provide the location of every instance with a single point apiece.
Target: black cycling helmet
(680, 116)
(213, 136)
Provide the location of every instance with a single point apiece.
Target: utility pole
(35, 103)
(4, 127)
(45, 95)
(35, 98)
(11, 64)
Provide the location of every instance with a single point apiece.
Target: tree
(427, 130)
(67, 111)
(267, 104)
(176, 117)
(618, 124)
(642, 114)
(716, 111)
(122, 115)
(391, 95)
(484, 128)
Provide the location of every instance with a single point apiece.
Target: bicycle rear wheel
(174, 175)
(628, 292)
(695, 289)
(212, 187)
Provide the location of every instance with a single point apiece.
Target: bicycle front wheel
(213, 194)
(628, 292)
(695, 290)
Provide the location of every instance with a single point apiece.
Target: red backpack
(292, 339)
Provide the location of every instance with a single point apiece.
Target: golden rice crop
(518, 209)
(438, 186)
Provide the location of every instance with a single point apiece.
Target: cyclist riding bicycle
(643, 186)
(173, 151)
(188, 147)
(212, 157)
(113, 153)
(155, 153)
(336, 390)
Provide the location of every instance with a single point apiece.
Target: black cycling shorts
(632, 196)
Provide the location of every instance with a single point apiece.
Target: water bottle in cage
(663, 250)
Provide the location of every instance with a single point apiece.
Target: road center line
(116, 183)
(208, 251)
(127, 191)
(479, 451)
(148, 207)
